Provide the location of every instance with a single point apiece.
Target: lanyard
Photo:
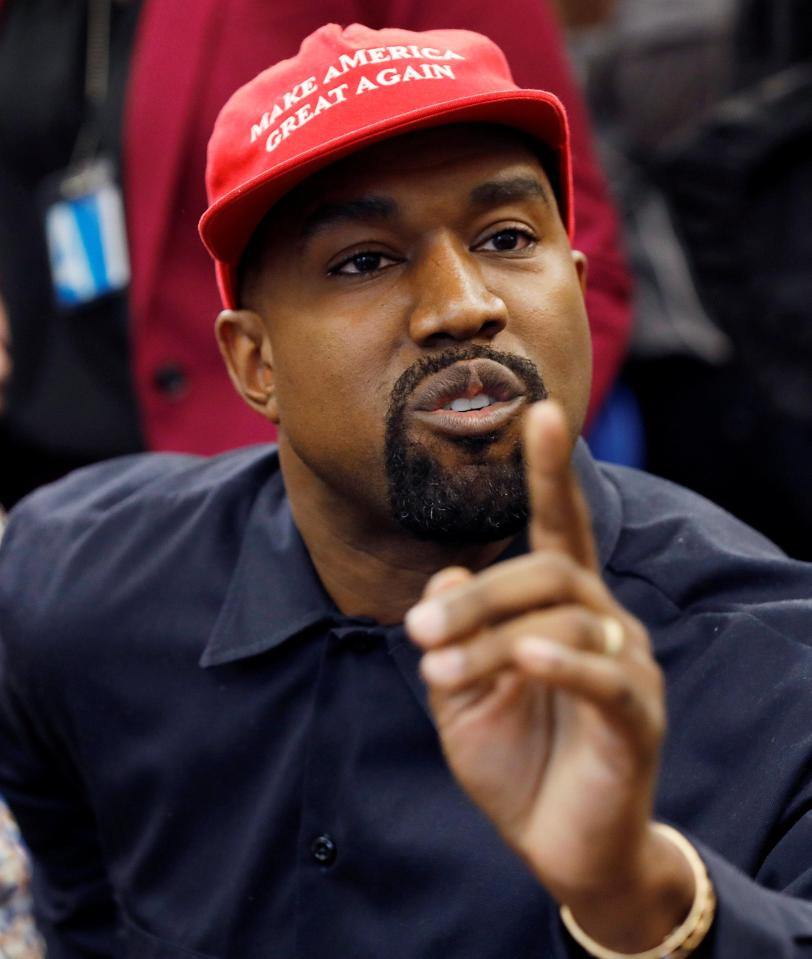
(85, 228)
(97, 74)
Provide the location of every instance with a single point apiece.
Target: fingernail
(426, 622)
(547, 408)
(444, 665)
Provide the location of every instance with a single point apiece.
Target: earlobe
(581, 268)
(246, 349)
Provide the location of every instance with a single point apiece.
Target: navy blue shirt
(208, 759)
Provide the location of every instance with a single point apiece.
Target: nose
(451, 300)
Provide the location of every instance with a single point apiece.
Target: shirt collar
(275, 592)
(603, 499)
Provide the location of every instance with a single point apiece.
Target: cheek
(555, 331)
(331, 389)
(572, 363)
(336, 347)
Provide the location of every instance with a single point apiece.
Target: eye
(362, 264)
(508, 240)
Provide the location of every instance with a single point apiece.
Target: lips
(469, 398)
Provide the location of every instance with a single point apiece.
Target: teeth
(463, 404)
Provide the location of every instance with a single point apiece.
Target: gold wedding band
(614, 638)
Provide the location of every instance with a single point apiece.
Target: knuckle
(446, 579)
(453, 573)
(481, 652)
(585, 629)
(658, 724)
(489, 651)
(652, 732)
(653, 677)
(466, 606)
(559, 572)
(623, 696)
(638, 632)
(478, 603)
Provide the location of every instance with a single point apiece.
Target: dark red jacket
(186, 63)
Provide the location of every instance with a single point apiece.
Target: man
(218, 739)
(18, 935)
(138, 368)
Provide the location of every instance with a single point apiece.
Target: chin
(479, 501)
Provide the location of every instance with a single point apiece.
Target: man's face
(416, 298)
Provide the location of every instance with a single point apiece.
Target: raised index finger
(559, 515)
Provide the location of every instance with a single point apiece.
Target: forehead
(436, 171)
(404, 166)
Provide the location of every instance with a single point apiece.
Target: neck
(367, 563)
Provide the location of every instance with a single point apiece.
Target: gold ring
(614, 637)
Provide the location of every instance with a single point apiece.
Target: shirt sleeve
(73, 900)
(18, 934)
(753, 921)
(532, 42)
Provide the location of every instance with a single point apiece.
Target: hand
(556, 740)
(5, 354)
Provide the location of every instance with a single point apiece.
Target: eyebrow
(507, 190)
(376, 209)
(364, 209)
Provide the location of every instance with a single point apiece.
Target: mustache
(410, 379)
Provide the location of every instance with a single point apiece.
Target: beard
(484, 501)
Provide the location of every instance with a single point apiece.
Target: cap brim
(229, 223)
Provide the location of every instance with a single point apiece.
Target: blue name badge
(86, 235)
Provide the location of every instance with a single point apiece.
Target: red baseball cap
(346, 89)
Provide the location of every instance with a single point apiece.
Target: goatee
(487, 500)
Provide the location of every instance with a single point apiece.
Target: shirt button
(170, 380)
(323, 850)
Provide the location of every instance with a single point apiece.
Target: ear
(246, 349)
(581, 268)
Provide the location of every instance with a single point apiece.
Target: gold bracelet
(683, 940)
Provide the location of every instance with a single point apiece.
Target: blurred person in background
(103, 364)
(579, 14)
(704, 110)
(19, 938)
